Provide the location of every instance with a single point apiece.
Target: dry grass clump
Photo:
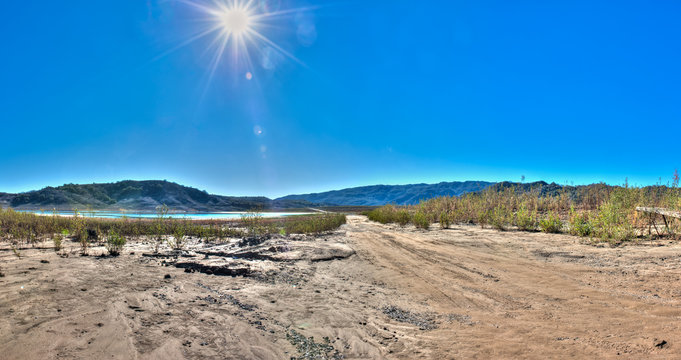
(313, 224)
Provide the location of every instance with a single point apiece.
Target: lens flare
(235, 21)
(237, 27)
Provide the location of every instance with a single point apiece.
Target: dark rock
(423, 321)
(214, 270)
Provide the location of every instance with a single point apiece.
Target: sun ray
(276, 47)
(274, 14)
(237, 26)
(187, 42)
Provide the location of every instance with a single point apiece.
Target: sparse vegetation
(114, 243)
(57, 240)
(28, 228)
(312, 224)
(526, 219)
(252, 221)
(580, 223)
(161, 212)
(501, 218)
(420, 219)
(599, 211)
(551, 223)
(178, 239)
(444, 220)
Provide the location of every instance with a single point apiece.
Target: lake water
(188, 216)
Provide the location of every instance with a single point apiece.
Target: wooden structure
(666, 214)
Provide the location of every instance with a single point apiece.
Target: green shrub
(253, 222)
(613, 221)
(420, 220)
(384, 214)
(114, 243)
(402, 217)
(501, 218)
(526, 219)
(444, 220)
(160, 226)
(551, 223)
(580, 223)
(313, 224)
(179, 233)
(57, 240)
(484, 217)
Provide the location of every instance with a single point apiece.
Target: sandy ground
(375, 291)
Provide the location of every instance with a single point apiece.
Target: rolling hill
(139, 195)
(390, 194)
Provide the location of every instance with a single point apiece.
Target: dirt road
(397, 293)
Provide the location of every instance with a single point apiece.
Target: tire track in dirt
(520, 300)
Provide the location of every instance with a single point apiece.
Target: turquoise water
(188, 216)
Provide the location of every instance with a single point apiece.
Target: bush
(57, 240)
(525, 219)
(420, 220)
(385, 214)
(178, 237)
(612, 223)
(402, 217)
(484, 217)
(444, 220)
(551, 223)
(580, 223)
(114, 243)
(501, 218)
(83, 240)
(253, 222)
(314, 224)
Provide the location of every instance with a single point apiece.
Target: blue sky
(389, 92)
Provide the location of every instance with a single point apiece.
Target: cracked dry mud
(365, 291)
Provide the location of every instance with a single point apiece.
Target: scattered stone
(222, 270)
(44, 262)
(309, 349)
(227, 297)
(423, 321)
(462, 319)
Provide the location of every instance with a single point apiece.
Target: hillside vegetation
(390, 194)
(139, 195)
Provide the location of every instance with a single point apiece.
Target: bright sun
(235, 27)
(235, 20)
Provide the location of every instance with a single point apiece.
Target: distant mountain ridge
(390, 194)
(139, 195)
(147, 195)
